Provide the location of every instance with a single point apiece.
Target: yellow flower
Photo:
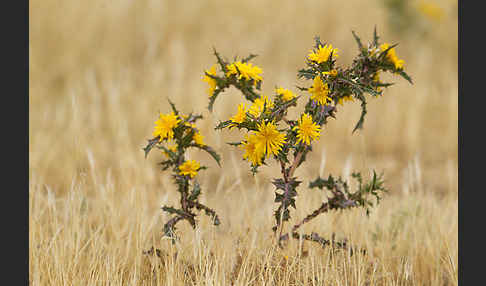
(198, 138)
(189, 168)
(269, 138)
(285, 93)
(172, 148)
(257, 107)
(210, 81)
(319, 91)
(247, 71)
(392, 57)
(164, 126)
(344, 99)
(431, 10)
(307, 130)
(239, 117)
(322, 54)
(253, 152)
(333, 72)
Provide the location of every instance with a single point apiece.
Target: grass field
(100, 71)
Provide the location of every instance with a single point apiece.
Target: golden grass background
(100, 71)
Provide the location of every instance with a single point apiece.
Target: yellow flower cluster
(322, 54)
(391, 56)
(246, 70)
(285, 94)
(164, 129)
(189, 168)
(319, 91)
(307, 130)
(164, 126)
(265, 141)
(210, 81)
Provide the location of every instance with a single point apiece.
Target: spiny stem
(296, 163)
(284, 173)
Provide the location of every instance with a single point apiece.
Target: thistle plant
(174, 134)
(269, 133)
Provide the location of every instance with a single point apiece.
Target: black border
(15, 115)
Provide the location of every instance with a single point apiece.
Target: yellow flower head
(323, 53)
(307, 130)
(319, 91)
(198, 138)
(257, 107)
(431, 11)
(253, 152)
(247, 71)
(269, 138)
(164, 126)
(189, 168)
(285, 93)
(391, 56)
(239, 117)
(210, 81)
(344, 99)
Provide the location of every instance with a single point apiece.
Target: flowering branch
(182, 130)
(270, 134)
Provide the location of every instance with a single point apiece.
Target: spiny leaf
(172, 105)
(223, 124)
(359, 125)
(211, 152)
(234, 143)
(150, 145)
(249, 58)
(196, 191)
(405, 76)
(375, 37)
(358, 40)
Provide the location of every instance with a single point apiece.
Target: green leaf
(196, 191)
(234, 143)
(405, 76)
(211, 152)
(306, 73)
(150, 145)
(172, 105)
(223, 124)
(358, 40)
(249, 58)
(359, 125)
(375, 37)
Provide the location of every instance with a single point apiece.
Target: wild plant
(174, 133)
(269, 133)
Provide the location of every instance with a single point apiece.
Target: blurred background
(100, 71)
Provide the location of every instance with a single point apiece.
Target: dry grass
(101, 70)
